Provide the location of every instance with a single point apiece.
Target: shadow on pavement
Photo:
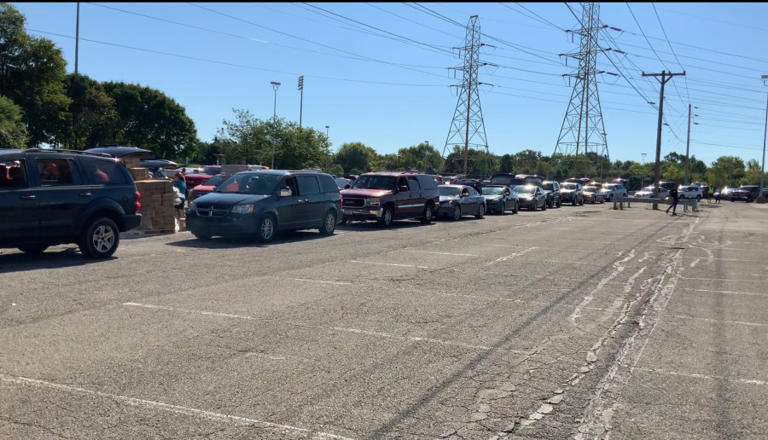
(247, 242)
(374, 226)
(12, 261)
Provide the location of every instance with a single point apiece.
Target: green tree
(149, 119)
(32, 72)
(387, 162)
(479, 163)
(726, 170)
(13, 132)
(93, 113)
(752, 176)
(334, 170)
(423, 157)
(355, 156)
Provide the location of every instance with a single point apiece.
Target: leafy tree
(387, 162)
(93, 113)
(726, 170)
(334, 170)
(752, 176)
(479, 163)
(32, 71)
(506, 164)
(355, 156)
(13, 132)
(423, 157)
(149, 119)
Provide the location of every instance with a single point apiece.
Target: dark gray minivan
(261, 203)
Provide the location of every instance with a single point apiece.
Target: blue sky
(371, 86)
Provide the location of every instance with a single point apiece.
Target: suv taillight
(341, 199)
(138, 202)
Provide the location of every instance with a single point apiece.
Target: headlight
(372, 201)
(242, 209)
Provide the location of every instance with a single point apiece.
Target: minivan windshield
(375, 182)
(250, 183)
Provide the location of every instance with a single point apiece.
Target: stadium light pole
(275, 86)
(761, 196)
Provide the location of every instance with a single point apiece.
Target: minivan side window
(327, 184)
(54, 172)
(308, 185)
(12, 174)
(103, 172)
(414, 184)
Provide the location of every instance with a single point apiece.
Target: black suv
(50, 197)
(261, 203)
(552, 190)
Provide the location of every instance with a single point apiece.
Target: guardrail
(618, 202)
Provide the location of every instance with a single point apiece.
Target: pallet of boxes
(157, 211)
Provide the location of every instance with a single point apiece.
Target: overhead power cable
(685, 81)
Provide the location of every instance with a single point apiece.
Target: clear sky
(369, 84)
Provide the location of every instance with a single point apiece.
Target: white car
(611, 190)
(690, 192)
(649, 191)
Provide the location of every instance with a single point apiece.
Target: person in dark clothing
(675, 197)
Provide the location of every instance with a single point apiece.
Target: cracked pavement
(578, 322)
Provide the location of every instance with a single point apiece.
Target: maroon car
(389, 196)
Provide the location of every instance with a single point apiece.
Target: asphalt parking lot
(578, 322)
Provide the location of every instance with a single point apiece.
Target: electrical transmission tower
(583, 129)
(467, 127)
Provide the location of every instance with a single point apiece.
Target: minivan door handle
(28, 197)
(85, 194)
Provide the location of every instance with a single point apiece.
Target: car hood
(230, 199)
(447, 198)
(366, 192)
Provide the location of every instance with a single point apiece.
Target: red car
(206, 187)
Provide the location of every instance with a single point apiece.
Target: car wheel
(574, 201)
(386, 217)
(581, 202)
(515, 207)
(427, 217)
(33, 249)
(266, 229)
(201, 236)
(544, 206)
(502, 208)
(457, 213)
(100, 238)
(329, 223)
(698, 198)
(481, 211)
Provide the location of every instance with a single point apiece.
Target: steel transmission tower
(583, 129)
(467, 127)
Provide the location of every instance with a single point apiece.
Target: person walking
(674, 195)
(180, 188)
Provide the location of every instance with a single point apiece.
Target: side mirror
(286, 192)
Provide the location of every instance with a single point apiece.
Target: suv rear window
(12, 174)
(103, 172)
(54, 172)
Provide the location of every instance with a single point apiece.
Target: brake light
(341, 199)
(138, 202)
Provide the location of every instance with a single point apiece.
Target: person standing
(180, 185)
(674, 195)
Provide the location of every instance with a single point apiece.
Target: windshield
(590, 189)
(212, 170)
(492, 190)
(525, 189)
(610, 186)
(214, 181)
(341, 182)
(250, 183)
(375, 182)
(571, 186)
(449, 190)
(548, 186)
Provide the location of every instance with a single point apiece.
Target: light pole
(301, 100)
(642, 176)
(761, 196)
(275, 85)
(326, 131)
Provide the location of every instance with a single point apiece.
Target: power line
(671, 48)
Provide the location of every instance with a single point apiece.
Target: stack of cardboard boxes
(157, 212)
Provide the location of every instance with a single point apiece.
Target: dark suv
(261, 203)
(552, 190)
(389, 196)
(50, 197)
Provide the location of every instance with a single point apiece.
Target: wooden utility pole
(687, 150)
(665, 77)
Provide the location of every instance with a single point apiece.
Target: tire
(581, 202)
(33, 249)
(386, 217)
(574, 201)
(515, 207)
(100, 238)
(481, 211)
(503, 208)
(456, 213)
(544, 206)
(201, 236)
(698, 198)
(559, 203)
(329, 223)
(266, 229)
(427, 217)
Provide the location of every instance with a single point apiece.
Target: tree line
(42, 105)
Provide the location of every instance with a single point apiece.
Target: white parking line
(728, 292)
(194, 412)
(511, 256)
(719, 321)
(440, 253)
(340, 283)
(340, 329)
(702, 376)
(721, 279)
(389, 264)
